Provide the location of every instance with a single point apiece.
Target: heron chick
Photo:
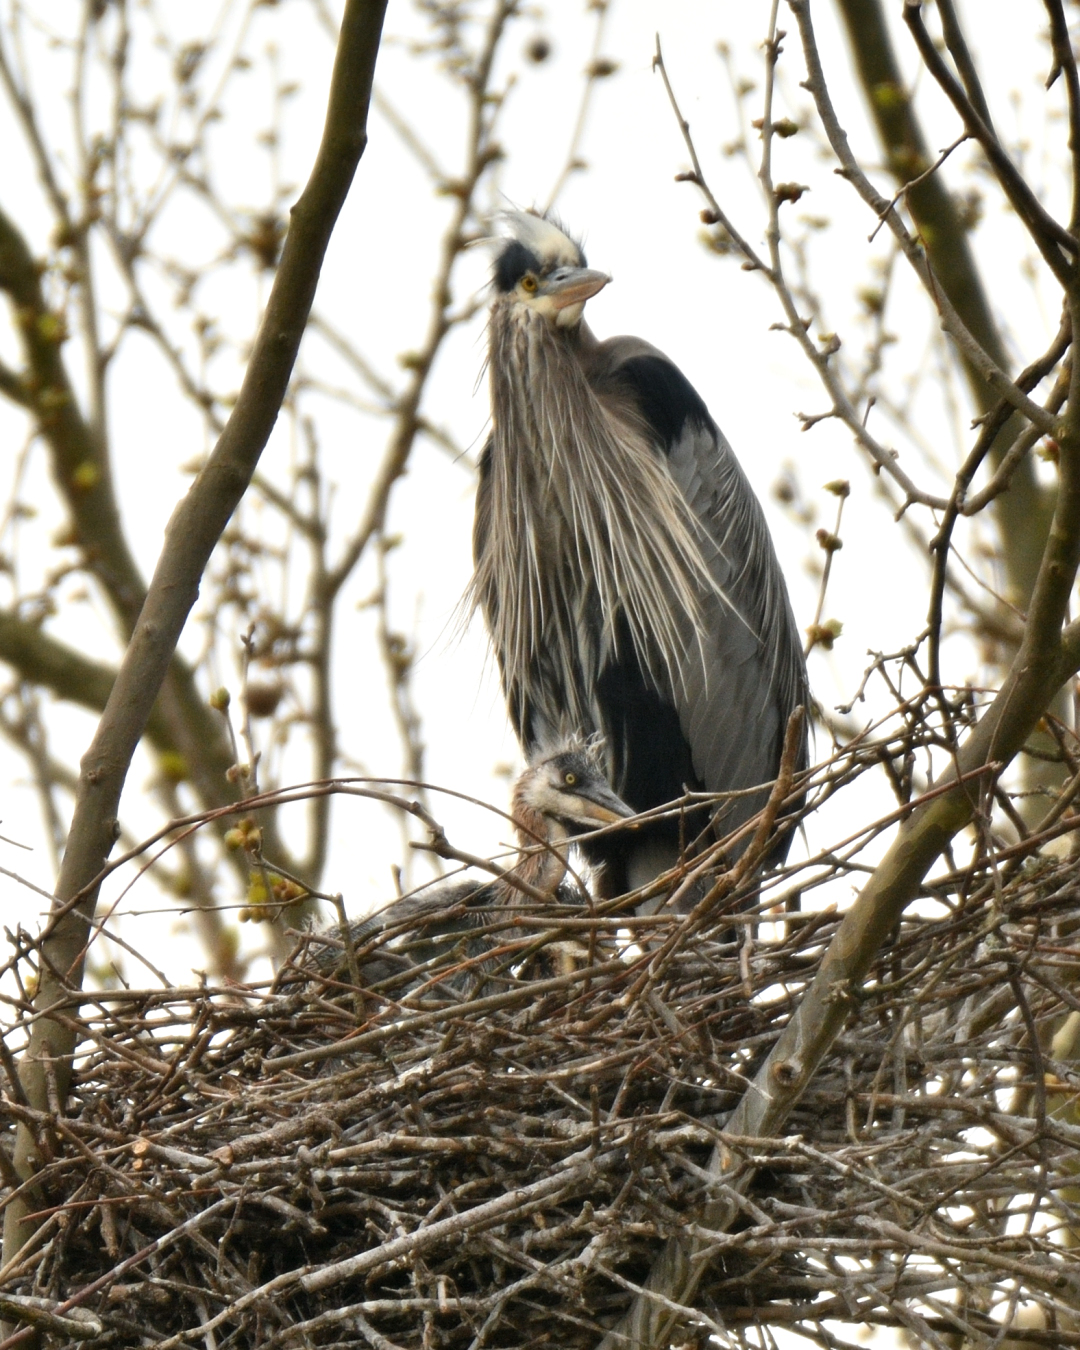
(558, 797)
(623, 562)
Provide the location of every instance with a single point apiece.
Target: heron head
(569, 788)
(541, 267)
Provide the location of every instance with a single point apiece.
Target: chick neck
(542, 868)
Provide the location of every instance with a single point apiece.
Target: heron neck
(584, 339)
(570, 478)
(541, 868)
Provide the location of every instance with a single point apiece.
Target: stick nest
(494, 1158)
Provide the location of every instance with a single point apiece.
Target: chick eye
(570, 779)
(529, 283)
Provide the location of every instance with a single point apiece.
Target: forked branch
(1053, 240)
(1049, 654)
(191, 536)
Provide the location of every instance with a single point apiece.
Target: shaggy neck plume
(564, 473)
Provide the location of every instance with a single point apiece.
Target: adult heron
(623, 563)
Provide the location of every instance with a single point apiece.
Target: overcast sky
(640, 225)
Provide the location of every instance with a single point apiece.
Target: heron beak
(574, 287)
(604, 807)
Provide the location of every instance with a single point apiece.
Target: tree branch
(972, 351)
(480, 154)
(81, 468)
(843, 408)
(44, 661)
(1065, 63)
(1052, 239)
(190, 538)
(79, 463)
(1048, 655)
(961, 55)
(1024, 512)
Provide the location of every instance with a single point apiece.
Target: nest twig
(489, 1149)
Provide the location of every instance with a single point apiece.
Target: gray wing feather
(736, 691)
(425, 927)
(734, 703)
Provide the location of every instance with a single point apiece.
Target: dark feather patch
(651, 763)
(512, 264)
(665, 396)
(651, 759)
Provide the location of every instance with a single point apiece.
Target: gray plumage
(623, 563)
(559, 796)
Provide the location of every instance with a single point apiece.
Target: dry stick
(1050, 237)
(1046, 658)
(1065, 63)
(532, 992)
(39, 1312)
(191, 1225)
(516, 1203)
(190, 538)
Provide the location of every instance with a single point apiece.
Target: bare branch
(913, 251)
(1023, 514)
(480, 153)
(192, 534)
(796, 326)
(961, 55)
(1057, 246)
(1065, 63)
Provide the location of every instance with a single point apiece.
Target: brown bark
(190, 538)
(1024, 511)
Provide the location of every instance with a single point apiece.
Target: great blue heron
(623, 563)
(558, 797)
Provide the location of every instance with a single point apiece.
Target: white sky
(639, 224)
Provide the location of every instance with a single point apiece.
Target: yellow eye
(529, 283)
(570, 779)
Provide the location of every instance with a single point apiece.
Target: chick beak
(604, 807)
